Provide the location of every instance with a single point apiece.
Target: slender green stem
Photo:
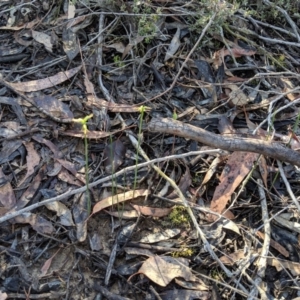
(83, 123)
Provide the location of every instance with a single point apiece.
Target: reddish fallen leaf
(47, 264)
(152, 211)
(236, 51)
(238, 166)
(263, 168)
(119, 198)
(274, 244)
(7, 195)
(41, 84)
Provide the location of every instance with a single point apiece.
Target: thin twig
(287, 185)
(265, 249)
(11, 214)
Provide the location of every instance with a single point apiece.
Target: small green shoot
(83, 123)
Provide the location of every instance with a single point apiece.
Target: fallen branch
(271, 149)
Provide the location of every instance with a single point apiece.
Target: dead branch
(271, 149)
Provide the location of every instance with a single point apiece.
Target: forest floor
(149, 149)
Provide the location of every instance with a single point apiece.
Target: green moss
(179, 216)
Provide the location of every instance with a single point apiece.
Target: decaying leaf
(42, 38)
(37, 222)
(162, 272)
(7, 195)
(80, 215)
(47, 264)
(238, 166)
(32, 188)
(32, 160)
(70, 43)
(124, 214)
(174, 45)
(41, 84)
(152, 211)
(236, 51)
(54, 106)
(119, 198)
(160, 236)
(113, 156)
(65, 216)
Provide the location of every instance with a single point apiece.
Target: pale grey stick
(11, 214)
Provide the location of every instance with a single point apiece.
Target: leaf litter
(199, 220)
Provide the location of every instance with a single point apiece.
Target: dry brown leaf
(238, 166)
(163, 272)
(119, 198)
(37, 222)
(174, 45)
(263, 168)
(28, 25)
(32, 159)
(94, 101)
(236, 51)
(117, 46)
(124, 214)
(132, 43)
(47, 265)
(163, 235)
(65, 176)
(41, 84)
(7, 195)
(90, 134)
(152, 211)
(42, 38)
(279, 264)
(274, 244)
(32, 188)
